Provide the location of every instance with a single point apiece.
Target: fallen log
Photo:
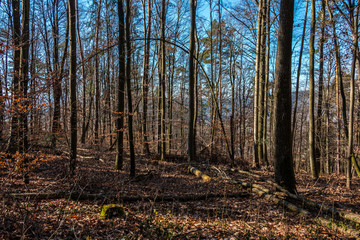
(264, 192)
(198, 173)
(354, 217)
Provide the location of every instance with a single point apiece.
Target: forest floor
(229, 211)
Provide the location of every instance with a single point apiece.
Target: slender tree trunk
(266, 88)
(128, 87)
(83, 72)
(327, 128)
(97, 81)
(298, 75)
(162, 84)
(108, 108)
(24, 79)
(232, 114)
(284, 172)
(220, 58)
(16, 32)
(212, 128)
(120, 90)
(146, 76)
(350, 157)
(338, 87)
(192, 85)
(56, 77)
(73, 111)
(262, 76)
(319, 133)
(256, 162)
(311, 141)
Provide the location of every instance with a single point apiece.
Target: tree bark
(147, 30)
(162, 84)
(284, 172)
(128, 87)
(311, 141)
(120, 90)
(72, 83)
(97, 81)
(298, 75)
(16, 35)
(192, 85)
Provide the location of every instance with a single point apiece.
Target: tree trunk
(262, 76)
(256, 88)
(354, 27)
(162, 84)
(338, 85)
(56, 77)
(16, 35)
(120, 90)
(72, 83)
(147, 31)
(83, 72)
(128, 87)
(311, 141)
(298, 75)
(24, 79)
(284, 172)
(97, 81)
(319, 119)
(192, 85)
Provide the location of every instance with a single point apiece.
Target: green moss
(112, 210)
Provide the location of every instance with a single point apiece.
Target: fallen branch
(340, 213)
(268, 194)
(198, 173)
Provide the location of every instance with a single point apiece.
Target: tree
(319, 119)
(120, 90)
(72, 84)
(97, 80)
(192, 85)
(16, 36)
(162, 77)
(128, 87)
(146, 66)
(284, 172)
(24, 77)
(298, 74)
(311, 142)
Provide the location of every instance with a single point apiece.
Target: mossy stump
(112, 210)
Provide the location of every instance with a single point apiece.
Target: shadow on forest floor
(248, 216)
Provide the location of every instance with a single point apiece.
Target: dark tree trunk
(73, 110)
(284, 172)
(192, 86)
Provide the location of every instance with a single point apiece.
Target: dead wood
(198, 173)
(340, 213)
(268, 194)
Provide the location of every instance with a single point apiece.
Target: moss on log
(111, 211)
